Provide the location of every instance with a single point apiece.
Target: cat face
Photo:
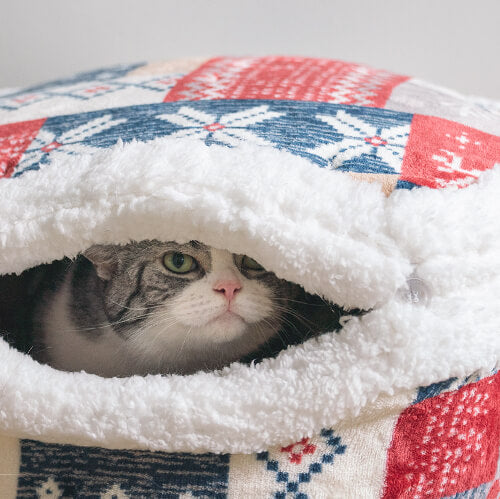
(186, 305)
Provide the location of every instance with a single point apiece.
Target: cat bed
(372, 189)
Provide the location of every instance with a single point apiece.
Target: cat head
(181, 307)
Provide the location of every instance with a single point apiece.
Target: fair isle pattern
(302, 461)
(73, 141)
(362, 138)
(229, 129)
(93, 90)
(336, 114)
(333, 464)
(83, 86)
(441, 152)
(347, 138)
(290, 78)
(14, 141)
(438, 441)
(298, 127)
(446, 444)
(56, 471)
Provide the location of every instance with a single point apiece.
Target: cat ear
(104, 258)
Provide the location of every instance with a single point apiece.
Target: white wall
(451, 42)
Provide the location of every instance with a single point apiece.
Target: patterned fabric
(104, 473)
(438, 441)
(338, 115)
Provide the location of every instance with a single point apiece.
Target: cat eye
(250, 264)
(180, 263)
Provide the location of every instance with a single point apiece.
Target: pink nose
(229, 288)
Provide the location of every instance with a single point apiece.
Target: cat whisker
(291, 324)
(178, 355)
(291, 312)
(265, 340)
(135, 308)
(165, 321)
(278, 299)
(104, 325)
(272, 326)
(137, 332)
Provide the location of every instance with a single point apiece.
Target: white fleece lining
(337, 237)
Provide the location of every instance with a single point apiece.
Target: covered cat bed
(372, 189)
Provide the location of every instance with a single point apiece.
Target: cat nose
(229, 288)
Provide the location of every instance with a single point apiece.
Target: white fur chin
(227, 327)
(186, 349)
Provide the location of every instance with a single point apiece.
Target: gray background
(450, 42)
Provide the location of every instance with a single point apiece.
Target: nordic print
(339, 116)
(302, 128)
(82, 86)
(383, 146)
(296, 465)
(441, 152)
(330, 112)
(447, 445)
(289, 78)
(57, 471)
(347, 138)
(112, 87)
(228, 129)
(415, 452)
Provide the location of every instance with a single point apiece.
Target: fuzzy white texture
(332, 234)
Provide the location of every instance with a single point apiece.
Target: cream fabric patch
(10, 455)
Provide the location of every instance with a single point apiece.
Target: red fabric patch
(446, 444)
(440, 152)
(14, 140)
(494, 492)
(286, 78)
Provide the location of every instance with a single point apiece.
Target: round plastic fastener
(415, 291)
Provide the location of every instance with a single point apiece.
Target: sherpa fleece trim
(337, 237)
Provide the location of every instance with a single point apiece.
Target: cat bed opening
(279, 176)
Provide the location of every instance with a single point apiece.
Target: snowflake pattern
(334, 115)
(71, 471)
(229, 129)
(115, 492)
(444, 444)
(360, 138)
(48, 142)
(49, 489)
(348, 138)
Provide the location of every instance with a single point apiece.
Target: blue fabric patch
(369, 140)
(425, 392)
(480, 492)
(89, 472)
(404, 184)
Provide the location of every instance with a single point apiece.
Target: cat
(154, 307)
(161, 307)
